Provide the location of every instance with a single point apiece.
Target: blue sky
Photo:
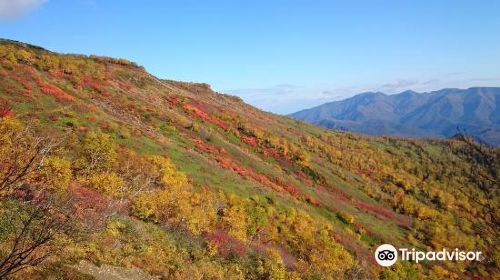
(281, 56)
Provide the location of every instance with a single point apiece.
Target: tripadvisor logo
(387, 255)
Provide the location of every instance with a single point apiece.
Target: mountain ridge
(440, 113)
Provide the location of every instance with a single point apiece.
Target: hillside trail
(108, 272)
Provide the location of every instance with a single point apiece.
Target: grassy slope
(150, 115)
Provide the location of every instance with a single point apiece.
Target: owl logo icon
(386, 255)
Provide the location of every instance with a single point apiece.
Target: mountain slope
(186, 183)
(434, 114)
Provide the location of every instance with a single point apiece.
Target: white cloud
(282, 89)
(281, 98)
(401, 84)
(11, 9)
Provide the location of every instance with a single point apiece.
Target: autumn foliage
(185, 183)
(55, 91)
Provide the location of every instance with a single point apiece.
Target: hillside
(101, 161)
(434, 114)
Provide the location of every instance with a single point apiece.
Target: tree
(28, 234)
(49, 62)
(23, 56)
(145, 173)
(29, 223)
(234, 217)
(165, 196)
(273, 266)
(109, 183)
(97, 155)
(486, 164)
(55, 172)
(168, 175)
(145, 207)
(20, 154)
(11, 58)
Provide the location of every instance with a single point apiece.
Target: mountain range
(442, 113)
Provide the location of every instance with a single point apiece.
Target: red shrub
(6, 113)
(53, 117)
(93, 83)
(288, 187)
(252, 141)
(342, 198)
(226, 245)
(227, 163)
(15, 90)
(380, 211)
(90, 205)
(26, 85)
(174, 100)
(124, 86)
(200, 145)
(312, 200)
(55, 91)
(32, 115)
(204, 115)
(106, 93)
(105, 125)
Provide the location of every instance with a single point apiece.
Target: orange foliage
(93, 83)
(106, 93)
(312, 200)
(16, 90)
(295, 192)
(174, 100)
(125, 86)
(26, 85)
(227, 163)
(90, 204)
(200, 145)
(59, 74)
(252, 141)
(55, 91)
(6, 113)
(204, 115)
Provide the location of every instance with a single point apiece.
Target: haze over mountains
(435, 114)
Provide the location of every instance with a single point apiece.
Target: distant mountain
(435, 114)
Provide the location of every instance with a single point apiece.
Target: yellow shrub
(109, 183)
(56, 173)
(144, 207)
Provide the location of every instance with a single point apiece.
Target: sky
(279, 55)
